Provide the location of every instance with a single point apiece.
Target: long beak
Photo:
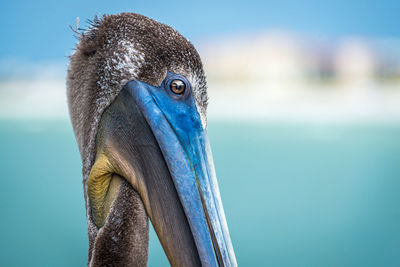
(156, 141)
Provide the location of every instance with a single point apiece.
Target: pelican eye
(177, 87)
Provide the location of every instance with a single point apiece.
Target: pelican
(137, 97)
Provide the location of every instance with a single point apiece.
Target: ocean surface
(294, 194)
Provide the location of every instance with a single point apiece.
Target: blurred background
(304, 121)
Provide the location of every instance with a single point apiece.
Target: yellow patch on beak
(103, 187)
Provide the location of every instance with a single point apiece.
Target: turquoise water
(294, 195)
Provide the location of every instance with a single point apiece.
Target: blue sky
(38, 30)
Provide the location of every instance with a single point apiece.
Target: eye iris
(177, 86)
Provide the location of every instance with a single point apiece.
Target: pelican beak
(156, 141)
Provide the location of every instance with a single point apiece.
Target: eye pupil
(177, 87)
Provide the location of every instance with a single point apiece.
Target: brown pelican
(137, 99)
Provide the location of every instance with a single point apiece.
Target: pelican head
(137, 97)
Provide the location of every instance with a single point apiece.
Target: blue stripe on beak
(176, 125)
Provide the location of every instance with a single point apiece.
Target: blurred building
(281, 75)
